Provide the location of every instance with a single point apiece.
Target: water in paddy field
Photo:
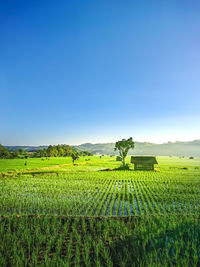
(125, 208)
(113, 198)
(114, 207)
(120, 208)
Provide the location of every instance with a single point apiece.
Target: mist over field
(168, 149)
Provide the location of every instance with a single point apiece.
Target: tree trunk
(123, 161)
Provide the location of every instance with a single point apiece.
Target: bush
(123, 168)
(118, 158)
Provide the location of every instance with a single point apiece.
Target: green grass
(55, 214)
(87, 163)
(7, 165)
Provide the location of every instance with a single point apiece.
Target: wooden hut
(144, 162)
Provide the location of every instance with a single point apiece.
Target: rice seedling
(93, 218)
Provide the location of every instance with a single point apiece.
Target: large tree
(4, 153)
(123, 147)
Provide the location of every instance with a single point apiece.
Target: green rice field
(55, 214)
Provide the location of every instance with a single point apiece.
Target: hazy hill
(26, 148)
(143, 148)
(191, 148)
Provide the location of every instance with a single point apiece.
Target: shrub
(118, 158)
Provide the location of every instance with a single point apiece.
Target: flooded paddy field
(100, 194)
(95, 218)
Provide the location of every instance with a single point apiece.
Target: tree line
(50, 151)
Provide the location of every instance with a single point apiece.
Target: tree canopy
(123, 147)
(50, 151)
(59, 151)
(4, 153)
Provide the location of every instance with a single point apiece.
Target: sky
(73, 72)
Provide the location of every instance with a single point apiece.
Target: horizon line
(97, 143)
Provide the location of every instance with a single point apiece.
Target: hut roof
(143, 159)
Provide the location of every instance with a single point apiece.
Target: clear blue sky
(98, 71)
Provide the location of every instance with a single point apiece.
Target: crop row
(100, 194)
(79, 241)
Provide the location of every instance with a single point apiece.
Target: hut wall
(145, 166)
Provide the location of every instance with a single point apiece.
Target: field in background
(57, 214)
(87, 163)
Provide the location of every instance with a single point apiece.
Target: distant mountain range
(26, 148)
(191, 148)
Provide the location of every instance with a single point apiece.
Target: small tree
(74, 156)
(123, 147)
